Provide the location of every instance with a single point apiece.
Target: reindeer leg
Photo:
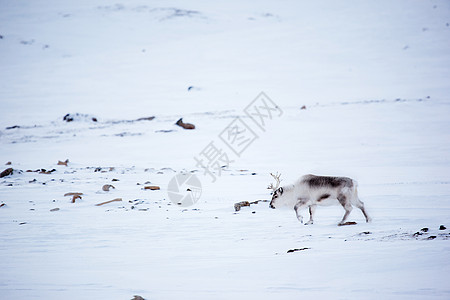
(312, 210)
(346, 205)
(359, 204)
(300, 204)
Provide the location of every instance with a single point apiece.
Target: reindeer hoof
(309, 223)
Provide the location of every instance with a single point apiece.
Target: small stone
(54, 209)
(303, 107)
(295, 250)
(347, 223)
(3, 204)
(442, 227)
(152, 187)
(6, 172)
(8, 163)
(425, 229)
(115, 179)
(432, 237)
(185, 125)
(63, 163)
(106, 187)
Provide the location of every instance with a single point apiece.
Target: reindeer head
(277, 190)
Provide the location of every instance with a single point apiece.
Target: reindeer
(310, 191)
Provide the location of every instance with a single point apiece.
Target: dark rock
(432, 237)
(295, 250)
(185, 125)
(442, 227)
(68, 118)
(6, 172)
(365, 233)
(347, 223)
(13, 127)
(425, 229)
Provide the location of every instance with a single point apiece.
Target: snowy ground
(374, 78)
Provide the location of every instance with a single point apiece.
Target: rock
(115, 179)
(13, 127)
(63, 163)
(347, 223)
(152, 187)
(6, 172)
(185, 125)
(442, 227)
(3, 204)
(425, 229)
(137, 297)
(303, 107)
(106, 187)
(432, 237)
(295, 250)
(8, 163)
(78, 117)
(44, 171)
(54, 209)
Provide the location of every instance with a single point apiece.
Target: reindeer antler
(278, 180)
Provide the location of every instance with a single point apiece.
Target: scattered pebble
(54, 209)
(347, 223)
(295, 250)
(63, 163)
(106, 187)
(152, 187)
(442, 227)
(185, 125)
(6, 172)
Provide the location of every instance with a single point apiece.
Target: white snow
(374, 77)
